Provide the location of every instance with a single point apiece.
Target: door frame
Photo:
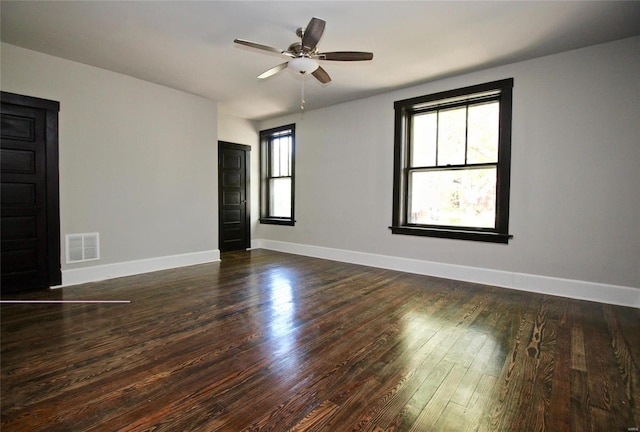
(51, 109)
(247, 188)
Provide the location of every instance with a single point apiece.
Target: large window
(277, 174)
(452, 163)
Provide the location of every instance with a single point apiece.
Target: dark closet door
(233, 196)
(29, 209)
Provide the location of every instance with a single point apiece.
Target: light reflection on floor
(282, 320)
(473, 357)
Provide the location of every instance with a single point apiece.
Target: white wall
(237, 130)
(138, 161)
(575, 185)
(242, 131)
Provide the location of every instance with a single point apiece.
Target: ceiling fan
(304, 54)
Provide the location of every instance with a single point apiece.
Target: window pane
(463, 198)
(281, 156)
(285, 156)
(423, 139)
(452, 124)
(483, 127)
(280, 199)
(275, 158)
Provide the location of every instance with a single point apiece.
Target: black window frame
(266, 138)
(502, 91)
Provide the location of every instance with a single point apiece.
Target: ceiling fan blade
(263, 47)
(313, 33)
(345, 56)
(274, 70)
(321, 75)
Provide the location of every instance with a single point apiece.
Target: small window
(452, 163)
(277, 174)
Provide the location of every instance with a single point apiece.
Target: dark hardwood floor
(271, 341)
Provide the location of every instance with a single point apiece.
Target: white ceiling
(189, 45)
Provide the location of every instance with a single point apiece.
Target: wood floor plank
(467, 387)
(541, 367)
(607, 390)
(578, 353)
(580, 412)
(316, 418)
(267, 341)
(559, 403)
(511, 385)
(477, 408)
(467, 417)
(430, 414)
(406, 417)
(628, 368)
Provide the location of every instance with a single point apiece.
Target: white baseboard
(129, 268)
(581, 290)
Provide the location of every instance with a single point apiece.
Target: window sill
(484, 236)
(277, 221)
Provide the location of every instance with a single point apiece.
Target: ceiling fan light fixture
(303, 65)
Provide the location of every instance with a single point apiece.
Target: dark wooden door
(233, 196)
(29, 207)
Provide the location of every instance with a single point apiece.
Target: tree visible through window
(452, 163)
(277, 175)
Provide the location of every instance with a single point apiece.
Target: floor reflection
(417, 327)
(463, 364)
(282, 322)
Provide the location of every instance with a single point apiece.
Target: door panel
(23, 199)
(28, 193)
(233, 196)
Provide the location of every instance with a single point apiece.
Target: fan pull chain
(302, 95)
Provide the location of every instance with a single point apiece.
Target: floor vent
(82, 247)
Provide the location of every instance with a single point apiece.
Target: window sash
(437, 197)
(413, 142)
(280, 155)
(280, 197)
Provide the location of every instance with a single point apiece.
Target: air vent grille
(82, 247)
